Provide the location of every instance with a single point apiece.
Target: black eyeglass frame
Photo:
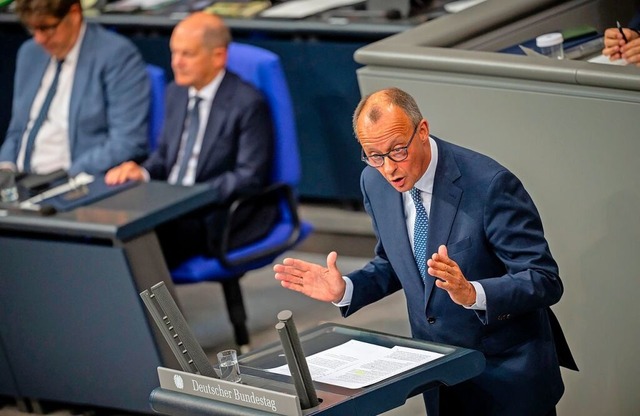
(46, 30)
(404, 151)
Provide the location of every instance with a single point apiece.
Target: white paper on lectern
(298, 9)
(356, 364)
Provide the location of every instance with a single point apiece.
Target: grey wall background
(569, 130)
(577, 150)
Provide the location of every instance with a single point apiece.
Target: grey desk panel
(75, 330)
(498, 66)
(7, 383)
(574, 144)
(123, 216)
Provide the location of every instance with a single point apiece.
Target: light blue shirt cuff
(145, 175)
(481, 298)
(348, 293)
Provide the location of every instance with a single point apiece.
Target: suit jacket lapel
(84, 68)
(40, 63)
(394, 208)
(392, 227)
(175, 122)
(444, 204)
(217, 117)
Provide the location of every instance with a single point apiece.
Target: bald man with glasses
(81, 95)
(459, 234)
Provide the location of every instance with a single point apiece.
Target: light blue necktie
(44, 110)
(192, 133)
(420, 232)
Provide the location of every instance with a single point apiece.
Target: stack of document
(356, 364)
(128, 6)
(299, 9)
(237, 9)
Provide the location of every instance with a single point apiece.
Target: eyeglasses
(46, 30)
(397, 154)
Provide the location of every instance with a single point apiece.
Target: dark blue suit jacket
(237, 149)
(492, 229)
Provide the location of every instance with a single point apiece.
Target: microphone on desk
(44, 210)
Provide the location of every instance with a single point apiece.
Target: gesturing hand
(450, 278)
(317, 282)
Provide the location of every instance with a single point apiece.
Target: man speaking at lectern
(461, 236)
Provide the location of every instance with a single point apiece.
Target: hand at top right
(616, 48)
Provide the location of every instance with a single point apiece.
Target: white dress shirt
(425, 185)
(52, 150)
(207, 94)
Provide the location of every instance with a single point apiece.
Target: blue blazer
(109, 102)
(237, 148)
(492, 229)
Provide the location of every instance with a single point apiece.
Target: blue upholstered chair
(156, 109)
(261, 68)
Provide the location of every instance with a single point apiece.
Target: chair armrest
(280, 194)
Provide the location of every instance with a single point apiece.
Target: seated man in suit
(217, 130)
(81, 96)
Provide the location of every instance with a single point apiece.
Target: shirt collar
(208, 92)
(425, 183)
(72, 56)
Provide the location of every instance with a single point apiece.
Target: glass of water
(229, 367)
(8, 188)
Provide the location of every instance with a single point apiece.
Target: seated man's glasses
(397, 154)
(45, 30)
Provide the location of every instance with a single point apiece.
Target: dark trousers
(441, 402)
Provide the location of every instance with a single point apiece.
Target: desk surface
(371, 28)
(121, 216)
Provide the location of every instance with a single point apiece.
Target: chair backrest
(262, 69)
(156, 107)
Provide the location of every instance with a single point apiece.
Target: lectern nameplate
(270, 401)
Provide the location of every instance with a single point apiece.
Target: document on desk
(298, 9)
(356, 364)
(601, 59)
(128, 6)
(458, 6)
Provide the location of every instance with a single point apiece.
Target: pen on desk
(621, 31)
